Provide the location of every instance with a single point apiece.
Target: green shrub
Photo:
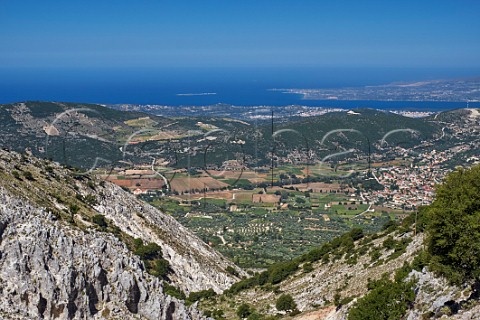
(255, 316)
(420, 260)
(326, 258)
(317, 253)
(232, 271)
(16, 175)
(285, 303)
(336, 299)
(280, 272)
(355, 234)
(389, 243)
(100, 220)
(161, 267)
(204, 294)
(453, 227)
(217, 314)
(151, 255)
(375, 254)
(362, 250)
(352, 260)
(150, 251)
(307, 267)
(137, 243)
(28, 175)
(390, 226)
(90, 199)
(74, 209)
(173, 291)
(244, 310)
(385, 300)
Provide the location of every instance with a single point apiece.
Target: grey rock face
(51, 270)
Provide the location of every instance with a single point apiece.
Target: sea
(241, 86)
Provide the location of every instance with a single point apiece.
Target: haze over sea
(237, 86)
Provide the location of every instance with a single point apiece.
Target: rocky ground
(51, 270)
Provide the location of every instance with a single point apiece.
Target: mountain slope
(195, 265)
(330, 284)
(51, 235)
(52, 270)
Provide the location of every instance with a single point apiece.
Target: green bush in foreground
(453, 227)
(385, 300)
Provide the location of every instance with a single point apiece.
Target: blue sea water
(237, 86)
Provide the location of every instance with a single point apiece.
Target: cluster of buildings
(408, 187)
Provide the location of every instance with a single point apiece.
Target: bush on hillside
(453, 227)
(385, 300)
(285, 303)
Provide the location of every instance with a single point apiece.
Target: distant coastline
(196, 94)
(453, 90)
(197, 88)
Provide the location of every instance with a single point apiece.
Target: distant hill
(82, 135)
(361, 130)
(75, 133)
(359, 126)
(86, 135)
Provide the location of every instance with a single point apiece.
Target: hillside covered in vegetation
(426, 267)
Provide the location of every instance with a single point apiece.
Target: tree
(453, 226)
(244, 310)
(356, 233)
(285, 303)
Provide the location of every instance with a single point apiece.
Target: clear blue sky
(147, 33)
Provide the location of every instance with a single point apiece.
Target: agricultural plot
(144, 122)
(187, 184)
(254, 236)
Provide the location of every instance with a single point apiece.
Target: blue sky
(208, 33)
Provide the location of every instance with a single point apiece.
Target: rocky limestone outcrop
(194, 265)
(51, 270)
